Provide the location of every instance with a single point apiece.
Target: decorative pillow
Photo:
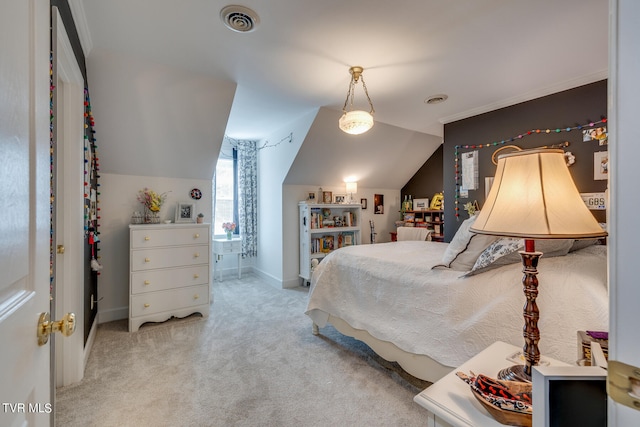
(496, 253)
(504, 251)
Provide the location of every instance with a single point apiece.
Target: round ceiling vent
(239, 18)
(436, 99)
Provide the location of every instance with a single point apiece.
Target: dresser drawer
(149, 259)
(227, 246)
(169, 300)
(159, 280)
(152, 238)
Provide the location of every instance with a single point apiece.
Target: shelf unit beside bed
(433, 219)
(325, 228)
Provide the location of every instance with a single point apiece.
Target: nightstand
(449, 401)
(222, 247)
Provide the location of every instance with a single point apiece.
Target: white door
(68, 288)
(624, 152)
(25, 395)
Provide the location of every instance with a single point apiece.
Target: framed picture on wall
(600, 165)
(363, 203)
(185, 212)
(378, 203)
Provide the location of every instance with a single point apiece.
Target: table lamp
(351, 187)
(534, 197)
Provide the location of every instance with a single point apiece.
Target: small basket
(503, 416)
(507, 409)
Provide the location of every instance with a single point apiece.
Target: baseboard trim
(89, 345)
(292, 283)
(113, 314)
(271, 280)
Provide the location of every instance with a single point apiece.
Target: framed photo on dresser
(185, 212)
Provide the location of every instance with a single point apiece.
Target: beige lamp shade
(352, 187)
(534, 197)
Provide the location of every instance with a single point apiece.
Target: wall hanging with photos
(466, 171)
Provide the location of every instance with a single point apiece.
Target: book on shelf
(350, 219)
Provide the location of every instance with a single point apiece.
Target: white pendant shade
(533, 196)
(356, 122)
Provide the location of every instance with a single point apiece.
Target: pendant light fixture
(355, 122)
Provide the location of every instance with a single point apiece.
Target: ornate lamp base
(514, 373)
(530, 332)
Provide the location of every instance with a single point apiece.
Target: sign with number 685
(595, 201)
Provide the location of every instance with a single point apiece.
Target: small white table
(449, 400)
(224, 246)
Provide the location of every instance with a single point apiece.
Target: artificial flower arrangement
(229, 227)
(471, 208)
(151, 200)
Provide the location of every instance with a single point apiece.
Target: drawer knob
(195, 276)
(147, 238)
(196, 255)
(146, 282)
(147, 305)
(147, 260)
(196, 236)
(196, 296)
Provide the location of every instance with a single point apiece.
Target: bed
(412, 306)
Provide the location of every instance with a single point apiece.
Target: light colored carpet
(252, 362)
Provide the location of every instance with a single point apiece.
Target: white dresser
(169, 272)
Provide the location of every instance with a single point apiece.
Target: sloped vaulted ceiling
(157, 120)
(385, 157)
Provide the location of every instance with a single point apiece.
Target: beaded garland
(91, 184)
(457, 149)
(51, 176)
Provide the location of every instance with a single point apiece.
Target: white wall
(117, 203)
(156, 120)
(292, 194)
(274, 162)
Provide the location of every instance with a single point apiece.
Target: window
(225, 193)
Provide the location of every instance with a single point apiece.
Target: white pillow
(465, 260)
(459, 242)
(554, 247)
(465, 247)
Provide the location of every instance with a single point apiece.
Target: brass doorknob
(66, 326)
(60, 249)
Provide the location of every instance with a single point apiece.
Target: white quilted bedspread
(390, 290)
